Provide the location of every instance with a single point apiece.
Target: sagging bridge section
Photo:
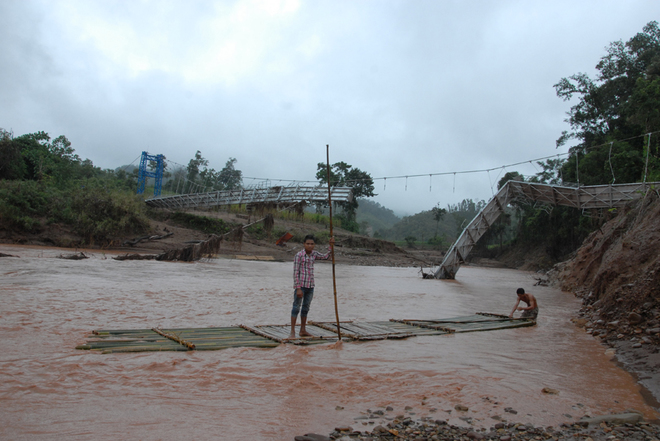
(250, 196)
(585, 197)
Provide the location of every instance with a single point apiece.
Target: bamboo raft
(269, 336)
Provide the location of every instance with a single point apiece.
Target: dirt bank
(351, 249)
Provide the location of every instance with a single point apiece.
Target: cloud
(395, 88)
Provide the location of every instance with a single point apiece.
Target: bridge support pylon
(157, 174)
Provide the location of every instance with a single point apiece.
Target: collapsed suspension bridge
(583, 198)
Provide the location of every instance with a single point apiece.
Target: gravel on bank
(627, 426)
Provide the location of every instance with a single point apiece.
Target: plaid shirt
(303, 268)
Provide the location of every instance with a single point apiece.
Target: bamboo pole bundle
(493, 326)
(120, 331)
(120, 349)
(333, 327)
(144, 345)
(150, 340)
(417, 330)
(263, 334)
(367, 331)
(488, 314)
(174, 338)
(426, 324)
(280, 333)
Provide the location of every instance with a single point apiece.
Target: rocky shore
(627, 426)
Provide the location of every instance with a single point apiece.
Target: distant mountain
(423, 226)
(127, 168)
(376, 216)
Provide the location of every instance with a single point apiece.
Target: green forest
(613, 130)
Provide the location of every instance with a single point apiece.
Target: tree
(621, 103)
(344, 175)
(509, 176)
(643, 107)
(551, 173)
(174, 179)
(438, 213)
(12, 165)
(63, 161)
(193, 168)
(34, 150)
(230, 178)
(410, 240)
(34, 156)
(208, 179)
(202, 178)
(464, 212)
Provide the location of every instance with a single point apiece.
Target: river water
(50, 390)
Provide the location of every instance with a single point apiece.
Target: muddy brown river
(51, 391)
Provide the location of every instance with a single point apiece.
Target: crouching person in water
(303, 282)
(529, 311)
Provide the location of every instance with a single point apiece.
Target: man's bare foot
(292, 335)
(305, 334)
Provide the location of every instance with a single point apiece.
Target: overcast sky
(396, 88)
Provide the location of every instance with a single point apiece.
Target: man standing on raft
(303, 282)
(529, 311)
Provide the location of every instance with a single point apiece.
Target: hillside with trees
(43, 182)
(45, 185)
(437, 227)
(373, 217)
(615, 115)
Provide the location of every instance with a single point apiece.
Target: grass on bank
(96, 213)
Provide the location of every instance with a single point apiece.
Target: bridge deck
(247, 196)
(268, 336)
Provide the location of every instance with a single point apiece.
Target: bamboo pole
(332, 247)
(174, 338)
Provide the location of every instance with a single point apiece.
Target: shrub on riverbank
(97, 214)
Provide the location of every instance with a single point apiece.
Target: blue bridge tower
(157, 174)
